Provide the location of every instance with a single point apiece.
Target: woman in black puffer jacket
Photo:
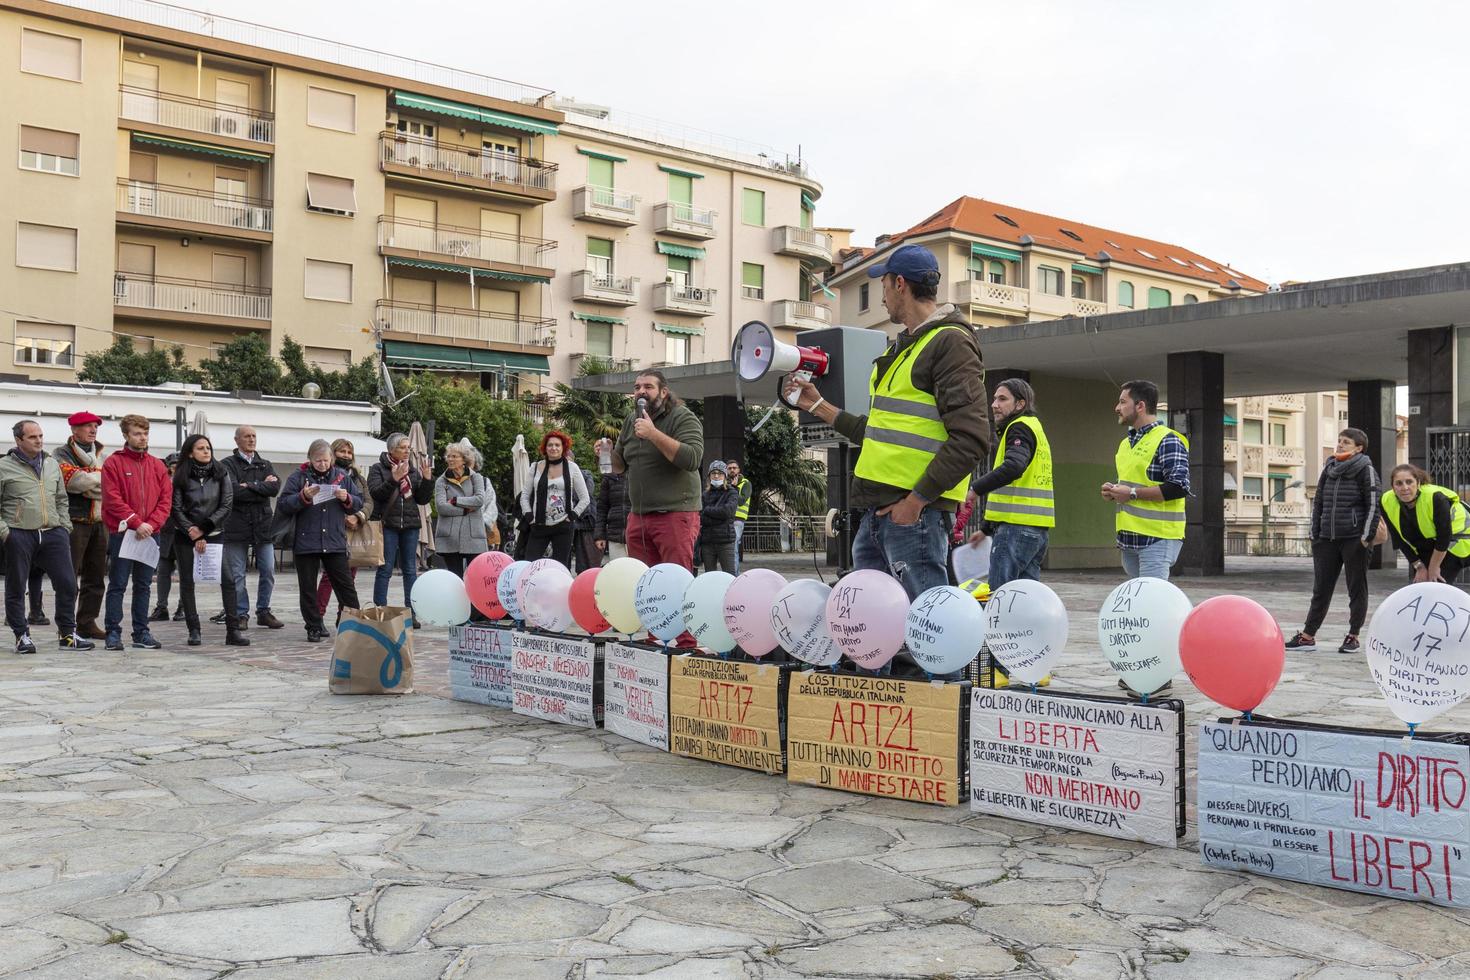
(203, 496)
(1344, 520)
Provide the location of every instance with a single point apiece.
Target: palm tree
(598, 414)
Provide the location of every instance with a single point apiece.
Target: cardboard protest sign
(876, 735)
(729, 712)
(479, 665)
(554, 677)
(636, 694)
(1104, 765)
(1360, 810)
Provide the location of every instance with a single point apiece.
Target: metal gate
(1449, 458)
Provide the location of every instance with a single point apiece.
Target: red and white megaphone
(757, 352)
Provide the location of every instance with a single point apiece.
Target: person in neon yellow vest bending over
(1153, 481)
(1019, 510)
(1428, 523)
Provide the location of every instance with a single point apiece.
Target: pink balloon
(1233, 651)
(537, 566)
(866, 615)
(748, 610)
(479, 582)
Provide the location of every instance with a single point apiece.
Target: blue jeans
(265, 564)
(1016, 551)
(119, 571)
(1153, 561)
(739, 533)
(400, 548)
(915, 554)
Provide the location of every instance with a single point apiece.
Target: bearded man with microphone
(661, 449)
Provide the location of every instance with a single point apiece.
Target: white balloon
(799, 620)
(1418, 650)
(704, 611)
(1138, 630)
(658, 599)
(506, 589)
(439, 599)
(945, 629)
(1027, 629)
(545, 598)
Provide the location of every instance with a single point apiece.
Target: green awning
(1281, 476)
(441, 357)
(1229, 419)
(680, 329)
(464, 270)
(598, 154)
(682, 251)
(509, 276)
(495, 360)
(599, 318)
(807, 202)
(189, 146)
(682, 173)
(993, 252)
(461, 110)
(1086, 270)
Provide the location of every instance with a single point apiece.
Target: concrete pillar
(724, 430)
(1371, 408)
(1196, 397)
(1432, 368)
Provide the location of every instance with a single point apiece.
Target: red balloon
(583, 602)
(480, 579)
(1233, 651)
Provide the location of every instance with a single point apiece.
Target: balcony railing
(453, 241)
(461, 324)
(593, 203)
(1088, 307)
(439, 161)
(806, 243)
(171, 295)
(800, 314)
(683, 219)
(1287, 403)
(197, 115)
(679, 298)
(1285, 456)
(1232, 451)
(188, 204)
(997, 295)
(615, 365)
(604, 287)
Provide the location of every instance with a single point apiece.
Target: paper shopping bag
(365, 545)
(373, 652)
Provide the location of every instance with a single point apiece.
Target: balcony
(1285, 456)
(800, 315)
(611, 207)
(466, 246)
(504, 174)
(182, 114)
(189, 209)
(683, 219)
(615, 365)
(449, 323)
(672, 297)
(193, 301)
(804, 243)
(993, 295)
(1232, 450)
(1088, 307)
(598, 287)
(1286, 403)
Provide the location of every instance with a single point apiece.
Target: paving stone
(520, 919)
(422, 965)
(1072, 926)
(403, 913)
(111, 963)
(728, 907)
(1182, 894)
(839, 885)
(1311, 936)
(1214, 965)
(920, 952)
(494, 965)
(653, 935)
(314, 928)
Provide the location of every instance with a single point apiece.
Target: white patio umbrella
(520, 465)
(200, 426)
(419, 456)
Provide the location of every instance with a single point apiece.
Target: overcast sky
(1297, 140)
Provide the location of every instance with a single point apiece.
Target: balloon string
(1033, 688)
(1143, 699)
(1247, 716)
(1412, 725)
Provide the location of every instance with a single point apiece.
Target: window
(48, 150)
(1190, 298)
(1125, 294)
(328, 358)
(142, 344)
(676, 348)
(417, 128)
(977, 268)
(1179, 262)
(803, 286)
(231, 183)
(1079, 287)
(863, 297)
(600, 172)
(806, 217)
(1070, 234)
(1278, 433)
(1230, 431)
(1278, 488)
(681, 271)
(1158, 297)
(599, 339)
(1251, 488)
(1252, 430)
(1147, 254)
(998, 272)
(681, 189)
(1051, 280)
(329, 109)
(44, 344)
(46, 247)
(329, 280)
(752, 280)
(753, 207)
(600, 257)
(1004, 220)
(51, 54)
(331, 195)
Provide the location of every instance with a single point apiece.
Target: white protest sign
(552, 678)
(635, 684)
(1346, 809)
(1105, 766)
(479, 665)
(1419, 652)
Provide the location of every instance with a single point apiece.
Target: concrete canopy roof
(690, 381)
(1314, 336)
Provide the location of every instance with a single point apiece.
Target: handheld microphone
(642, 405)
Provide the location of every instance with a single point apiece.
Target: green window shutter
(599, 172)
(599, 339)
(1158, 297)
(806, 217)
(803, 287)
(1125, 294)
(753, 207)
(977, 264)
(678, 263)
(600, 247)
(681, 189)
(998, 272)
(752, 275)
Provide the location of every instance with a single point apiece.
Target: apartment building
(185, 179)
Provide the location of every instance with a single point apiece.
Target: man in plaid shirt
(1153, 482)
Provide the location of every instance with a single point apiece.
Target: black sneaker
(1350, 644)
(159, 615)
(145, 641)
(179, 615)
(1302, 642)
(114, 641)
(75, 641)
(38, 618)
(23, 644)
(217, 618)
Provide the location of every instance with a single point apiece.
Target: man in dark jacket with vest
(398, 491)
(81, 470)
(612, 514)
(927, 430)
(249, 526)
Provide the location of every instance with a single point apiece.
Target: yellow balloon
(614, 593)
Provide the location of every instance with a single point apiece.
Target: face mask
(717, 483)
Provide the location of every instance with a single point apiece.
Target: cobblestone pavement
(211, 812)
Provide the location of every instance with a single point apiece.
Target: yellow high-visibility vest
(743, 511)
(1424, 515)
(1028, 499)
(1156, 518)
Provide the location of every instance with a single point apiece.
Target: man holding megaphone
(926, 430)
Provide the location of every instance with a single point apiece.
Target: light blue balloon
(704, 611)
(659, 599)
(507, 589)
(945, 629)
(439, 599)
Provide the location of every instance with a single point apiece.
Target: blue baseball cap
(914, 263)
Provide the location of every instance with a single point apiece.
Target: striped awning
(189, 146)
(600, 155)
(679, 328)
(807, 202)
(599, 318)
(462, 110)
(682, 173)
(1086, 270)
(682, 251)
(442, 357)
(994, 252)
(463, 270)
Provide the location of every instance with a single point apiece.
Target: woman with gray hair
(398, 491)
(461, 496)
(319, 496)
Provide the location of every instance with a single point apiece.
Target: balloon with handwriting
(704, 611)
(480, 579)
(1232, 650)
(582, 601)
(536, 568)
(506, 589)
(659, 599)
(1138, 630)
(748, 610)
(614, 593)
(1027, 629)
(1418, 650)
(439, 599)
(545, 597)
(799, 618)
(865, 617)
(945, 629)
